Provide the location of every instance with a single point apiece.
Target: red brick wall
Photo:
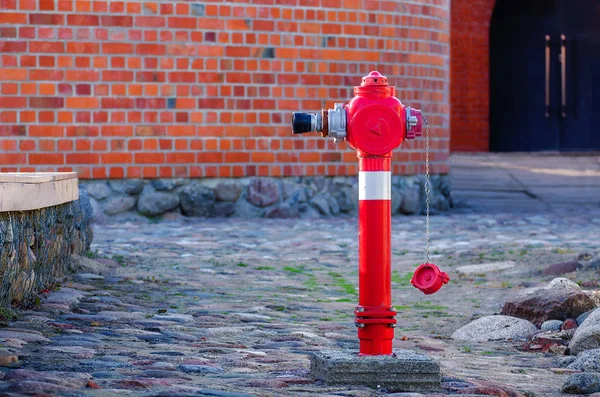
(469, 87)
(115, 89)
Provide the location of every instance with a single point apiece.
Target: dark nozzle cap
(301, 123)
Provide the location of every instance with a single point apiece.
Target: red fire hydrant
(374, 123)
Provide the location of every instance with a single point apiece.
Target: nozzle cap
(429, 278)
(302, 123)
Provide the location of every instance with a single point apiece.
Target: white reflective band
(374, 185)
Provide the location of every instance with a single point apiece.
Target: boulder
(588, 361)
(153, 203)
(127, 186)
(228, 191)
(119, 203)
(396, 200)
(98, 190)
(582, 383)
(197, 200)
(346, 199)
(562, 268)
(410, 201)
(282, 212)
(224, 209)
(262, 192)
(321, 204)
(563, 283)
(167, 184)
(587, 336)
(584, 316)
(492, 328)
(548, 304)
(334, 208)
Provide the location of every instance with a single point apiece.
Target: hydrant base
(404, 371)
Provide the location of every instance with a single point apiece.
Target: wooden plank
(36, 177)
(19, 196)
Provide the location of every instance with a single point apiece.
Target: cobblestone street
(235, 307)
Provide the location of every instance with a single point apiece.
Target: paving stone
(253, 299)
(484, 268)
(23, 336)
(200, 369)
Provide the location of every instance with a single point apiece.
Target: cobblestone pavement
(234, 307)
(205, 307)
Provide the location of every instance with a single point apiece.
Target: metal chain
(427, 193)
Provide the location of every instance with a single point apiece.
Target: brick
(46, 102)
(46, 158)
(83, 103)
(116, 20)
(46, 19)
(13, 74)
(83, 20)
(13, 46)
(13, 158)
(149, 158)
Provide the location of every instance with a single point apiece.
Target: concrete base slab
(405, 371)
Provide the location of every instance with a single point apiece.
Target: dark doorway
(545, 75)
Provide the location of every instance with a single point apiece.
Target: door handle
(547, 76)
(563, 75)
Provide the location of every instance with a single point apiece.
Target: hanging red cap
(429, 278)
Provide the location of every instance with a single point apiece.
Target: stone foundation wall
(35, 246)
(256, 197)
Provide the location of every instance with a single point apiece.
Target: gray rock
(583, 316)
(492, 328)
(127, 186)
(548, 304)
(200, 369)
(345, 199)
(293, 192)
(197, 200)
(119, 203)
(565, 361)
(321, 204)
(283, 211)
(98, 190)
(24, 336)
(224, 209)
(588, 361)
(396, 200)
(244, 209)
(220, 393)
(484, 268)
(334, 208)
(410, 201)
(551, 325)
(97, 213)
(562, 283)
(168, 184)
(587, 336)
(582, 383)
(595, 262)
(88, 277)
(153, 203)
(34, 387)
(262, 192)
(65, 295)
(228, 191)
